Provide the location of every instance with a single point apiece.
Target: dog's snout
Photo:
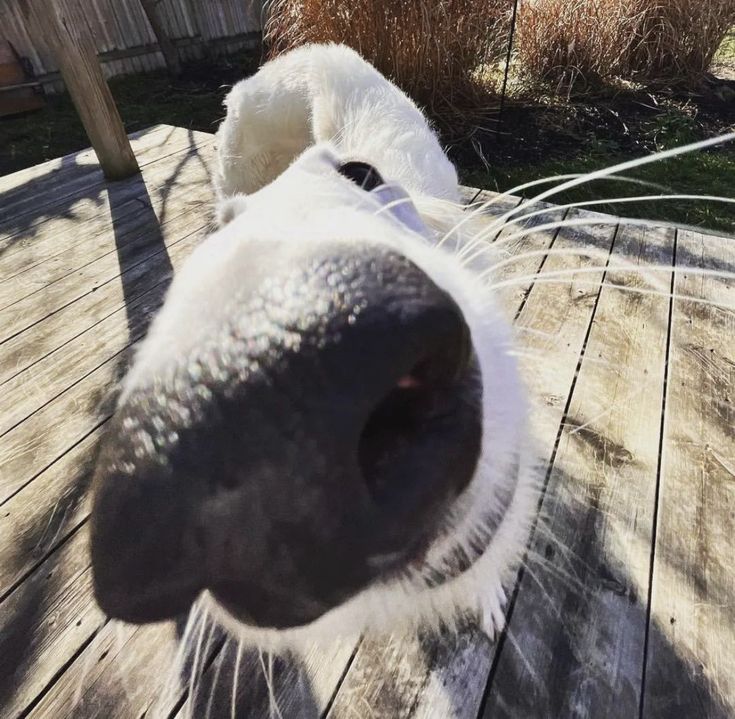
(321, 426)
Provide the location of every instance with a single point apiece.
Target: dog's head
(324, 411)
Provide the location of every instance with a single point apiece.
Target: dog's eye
(362, 174)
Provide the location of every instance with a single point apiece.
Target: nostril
(415, 411)
(228, 480)
(199, 536)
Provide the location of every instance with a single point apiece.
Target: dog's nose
(307, 446)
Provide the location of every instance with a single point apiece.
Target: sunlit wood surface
(626, 607)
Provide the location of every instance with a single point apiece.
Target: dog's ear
(229, 208)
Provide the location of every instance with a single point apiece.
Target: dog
(324, 432)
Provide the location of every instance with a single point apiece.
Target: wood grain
(27, 449)
(116, 239)
(415, 676)
(89, 226)
(16, 186)
(578, 623)
(74, 187)
(98, 301)
(690, 667)
(44, 622)
(124, 40)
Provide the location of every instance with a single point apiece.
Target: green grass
(702, 173)
(194, 102)
(698, 173)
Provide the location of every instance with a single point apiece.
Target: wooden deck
(627, 606)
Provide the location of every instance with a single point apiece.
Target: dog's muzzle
(309, 445)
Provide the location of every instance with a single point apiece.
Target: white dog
(324, 431)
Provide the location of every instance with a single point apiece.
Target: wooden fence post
(168, 49)
(62, 26)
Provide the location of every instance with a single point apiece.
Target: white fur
(286, 131)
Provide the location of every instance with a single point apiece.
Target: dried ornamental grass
(678, 39)
(432, 49)
(652, 41)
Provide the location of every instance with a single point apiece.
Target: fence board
(124, 40)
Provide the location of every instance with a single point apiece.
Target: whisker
(590, 252)
(618, 201)
(482, 237)
(480, 207)
(533, 331)
(623, 402)
(172, 684)
(268, 677)
(195, 665)
(642, 291)
(601, 221)
(571, 581)
(391, 205)
(614, 169)
(570, 556)
(215, 679)
(235, 678)
(529, 668)
(640, 271)
(272, 687)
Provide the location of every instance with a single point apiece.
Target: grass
(576, 43)
(726, 54)
(432, 50)
(193, 102)
(709, 172)
(727, 49)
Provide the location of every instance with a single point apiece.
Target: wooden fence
(125, 41)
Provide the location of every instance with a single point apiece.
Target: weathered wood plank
(42, 381)
(416, 676)
(690, 667)
(61, 25)
(78, 307)
(16, 185)
(120, 674)
(55, 194)
(70, 473)
(41, 289)
(297, 686)
(44, 622)
(90, 230)
(578, 624)
(51, 501)
(585, 660)
(43, 515)
(48, 618)
(29, 447)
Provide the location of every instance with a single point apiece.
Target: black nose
(308, 445)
